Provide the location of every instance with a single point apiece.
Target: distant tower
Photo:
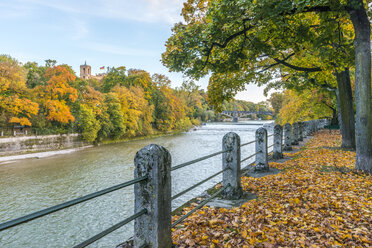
(85, 71)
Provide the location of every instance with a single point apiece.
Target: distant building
(86, 72)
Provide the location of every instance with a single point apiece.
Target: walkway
(316, 201)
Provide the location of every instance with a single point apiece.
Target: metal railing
(200, 205)
(15, 222)
(196, 160)
(161, 161)
(198, 184)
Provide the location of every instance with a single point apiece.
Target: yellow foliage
(14, 104)
(22, 121)
(317, 201)
(58, 111)
(304, 106)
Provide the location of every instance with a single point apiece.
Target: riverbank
(317, 200)
(14, 158)
(23, 145)
(28, 150)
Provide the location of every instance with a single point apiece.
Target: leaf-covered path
(317, 201)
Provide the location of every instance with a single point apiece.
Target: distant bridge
(235, 115)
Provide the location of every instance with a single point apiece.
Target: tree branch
(297, 68)
(226, 42)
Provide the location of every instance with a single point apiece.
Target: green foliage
(115, 117)
(116, 76)
(240, 42)
(88, 124)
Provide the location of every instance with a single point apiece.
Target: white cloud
(167, 11)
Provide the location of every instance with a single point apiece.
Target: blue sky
(102, 32)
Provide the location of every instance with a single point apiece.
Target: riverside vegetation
(124, 104)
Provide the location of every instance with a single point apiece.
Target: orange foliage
(316, 201)
(58, 111)
(14, 104)
(58, 83)
(22, 121)
(58, 91)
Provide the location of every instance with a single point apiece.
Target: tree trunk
(335, 117)
(362, 44)
(345, 109)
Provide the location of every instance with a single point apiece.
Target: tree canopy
(288, 43)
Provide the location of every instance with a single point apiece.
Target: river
(30, 185)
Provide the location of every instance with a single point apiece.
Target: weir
(235, 114)
(152, 182)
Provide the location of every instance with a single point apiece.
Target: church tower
(85, 71)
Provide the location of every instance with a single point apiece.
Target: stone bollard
(308, 129)
(304, 129)
(261, 150)
(287, 137)
(153, 229)
(14, 133)
(231, 160)
(300, 131)
(26, 132)
(313, 126)
(295, 133)
(278, 142)
(2, 133)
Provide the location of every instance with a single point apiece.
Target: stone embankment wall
(27, 144)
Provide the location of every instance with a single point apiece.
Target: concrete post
(287, 137)
(300, 131)
(14, 133)
(295, 133)
(261, 150)
(304, 129)
(26, 132)
(2, 133)
(313, 126)
(308, 128)
(231, 160)
(278, 141)
(153, 229)
(304, 124)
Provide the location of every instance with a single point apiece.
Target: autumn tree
(236, 37)
(136, 111)
(15, 105)
(141, 78)
(276, 101)
(90, 107)
(304, 106)
(56, 95)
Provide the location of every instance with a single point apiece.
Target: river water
(30, 185)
